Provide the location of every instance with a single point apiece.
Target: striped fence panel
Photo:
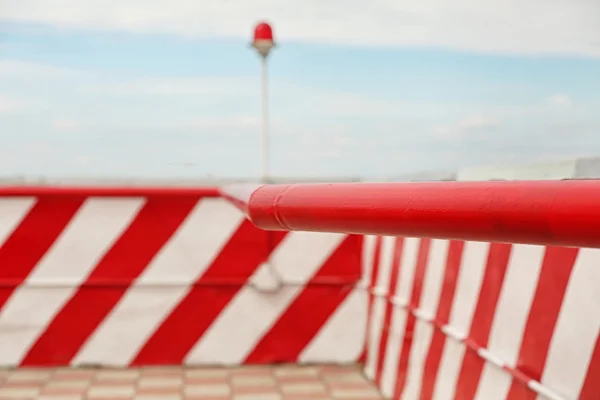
(475, 320)
(119, 277)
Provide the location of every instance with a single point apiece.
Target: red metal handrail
(565, 213)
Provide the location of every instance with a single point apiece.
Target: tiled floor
(246, 383)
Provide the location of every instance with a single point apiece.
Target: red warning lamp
(263, 31)
(263, 39)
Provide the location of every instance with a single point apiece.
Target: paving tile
(160, 382)
(206, 373)
(158, 397)
(296, 372)
(53, 390)
(117, 375)
(83, 377)
(251, 371)
(266, 391)
(252, 380)
(30, 375)
(18, 392)
(286, 382)
(258, 396)
(349, 376)
(110, 391)
(59, 397)
(23, 384)
(159, 391)
(67, 384)
(222, 389)
(303, 387)
(162, 372)
(363, 394)
(350, 385)
(110, 397)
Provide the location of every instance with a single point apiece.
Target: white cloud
(478, 122)
(28, 70)
(81, 161)
(469, 125)
(226, 122)
(9, 105)
(64, 124)
(337, 103)
(182, 86)
(283, 94)
(509, 26)
(560, 101)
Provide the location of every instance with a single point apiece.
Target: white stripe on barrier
(408, 264)
(375, 329)
(184, 257)
(576, 330)
(475, 256)
(434, 277)
(368, 252)
(71, 258)
(242, 324)
(510, 319)
(12, 212)
(343, 335)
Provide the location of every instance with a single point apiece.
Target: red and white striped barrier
(464, 320)
(135, 276)
(474, 320)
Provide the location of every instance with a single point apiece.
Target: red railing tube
(565, 213)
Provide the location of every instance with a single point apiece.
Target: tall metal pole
(265, 120)
(263, 44)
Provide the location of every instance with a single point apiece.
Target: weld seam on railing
(280, 220)
(480, 351)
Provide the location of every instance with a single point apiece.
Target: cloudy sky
(385, 87)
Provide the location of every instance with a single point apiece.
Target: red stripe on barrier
(438, 340)
(32, 238)
(307, 314)
(234, 265)
(481, 325)
(389, 308)
(536, 212)
(549, 295)
(154, 225)
(64, 192)
(591, 386)
(409, 330)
